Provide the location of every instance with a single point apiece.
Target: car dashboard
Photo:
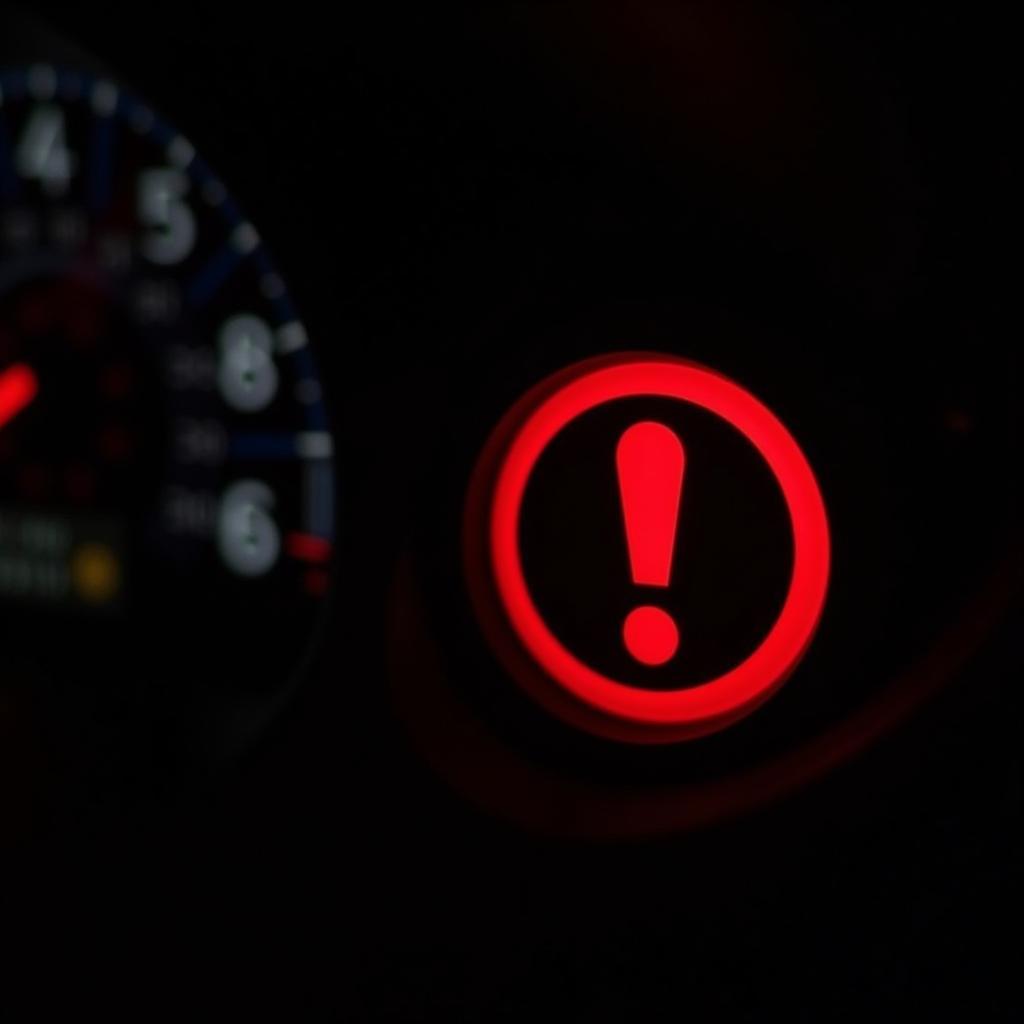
(514, 506)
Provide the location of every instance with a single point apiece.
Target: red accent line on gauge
(308, 548)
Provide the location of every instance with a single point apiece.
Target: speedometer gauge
(166, 473)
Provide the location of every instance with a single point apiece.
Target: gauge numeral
(68, 229)
(247, 376)
(190, 369)
(43, 154)
(202, 442)
(248, 539)
(114, 254)
(190, 513)
(19, 229)
(163, 209)
(157, 302)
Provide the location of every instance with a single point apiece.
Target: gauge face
(166, 494)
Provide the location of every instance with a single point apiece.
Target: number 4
(43, 153)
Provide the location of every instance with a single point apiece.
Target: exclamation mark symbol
(650, 461)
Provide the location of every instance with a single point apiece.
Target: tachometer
(166, 462)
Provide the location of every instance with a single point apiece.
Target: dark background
(463, 201)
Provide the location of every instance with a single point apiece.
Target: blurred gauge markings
(164, 432)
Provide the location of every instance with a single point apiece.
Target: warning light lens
(649, 461)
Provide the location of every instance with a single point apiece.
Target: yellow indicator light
(95, 573)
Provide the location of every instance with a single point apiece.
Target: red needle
(18, 386)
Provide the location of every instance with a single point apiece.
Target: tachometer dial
(166, 474)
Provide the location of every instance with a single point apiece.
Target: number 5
(162, 207)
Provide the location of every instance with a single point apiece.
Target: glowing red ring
(719, 701)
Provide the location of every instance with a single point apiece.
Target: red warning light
(650, 461)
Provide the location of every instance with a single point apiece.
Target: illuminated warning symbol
(554, 646)
(650, 462)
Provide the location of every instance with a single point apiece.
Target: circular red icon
(650, 462)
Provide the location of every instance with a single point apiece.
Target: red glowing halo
(717, 702)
